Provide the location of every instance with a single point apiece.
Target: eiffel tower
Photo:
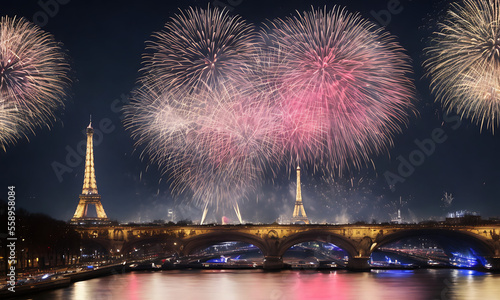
(89, 195)
(299, 214)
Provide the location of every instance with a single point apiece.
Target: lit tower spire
(89, 182)
(299, 214)
(89, 195)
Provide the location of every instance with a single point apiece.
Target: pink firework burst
(342, 85)
(216, 145)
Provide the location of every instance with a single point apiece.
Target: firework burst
(194, 113)
(464, 61)
(218, 108)
(216, 145)
(33, 78)
(197, 49)
(342, 84)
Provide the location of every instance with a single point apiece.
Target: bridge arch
(202, 241)
(319, 235)
(484, 247)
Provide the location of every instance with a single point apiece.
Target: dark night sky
(105, 40)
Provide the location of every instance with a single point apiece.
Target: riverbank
(36, 287)
(56, 280)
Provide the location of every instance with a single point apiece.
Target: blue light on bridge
(223, 259)
(331, 247)
(219, 260)
(463, 261)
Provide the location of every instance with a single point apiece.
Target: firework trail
(342, 84)
(33, 78)
(197, 49)
(464, 61)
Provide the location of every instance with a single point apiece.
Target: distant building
(462, 213)
(397, 220)
(463, 217)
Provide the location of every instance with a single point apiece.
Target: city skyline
(437, 154)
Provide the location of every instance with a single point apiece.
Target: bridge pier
(359, 264)
(273, 263)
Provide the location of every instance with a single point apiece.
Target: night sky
(105, 41)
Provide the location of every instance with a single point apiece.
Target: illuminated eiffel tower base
(89, 195)
(299, 213)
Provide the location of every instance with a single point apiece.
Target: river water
(289, 285)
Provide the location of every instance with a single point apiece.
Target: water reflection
(290, 285)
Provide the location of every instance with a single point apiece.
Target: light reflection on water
(289, 285)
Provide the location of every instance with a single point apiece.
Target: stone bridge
(359, 241)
